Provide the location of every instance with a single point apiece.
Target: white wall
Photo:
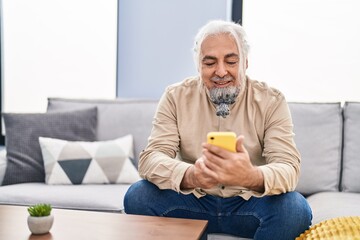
(310, 50)
(156, 40)
(67, 48)
(57, 48)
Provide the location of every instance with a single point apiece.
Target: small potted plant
(40, 219)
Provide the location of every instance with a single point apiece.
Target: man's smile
(221, 84)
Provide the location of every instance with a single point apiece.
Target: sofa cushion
(116, 118)
(351, 156)
(78, 162)
(326, 205)
(3, 163)
(221, 236)
(318, 136)
(25, 163)
(97, 197)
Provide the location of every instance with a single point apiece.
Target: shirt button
(222, 187)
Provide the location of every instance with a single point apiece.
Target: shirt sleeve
(282, 169)
(158, 163)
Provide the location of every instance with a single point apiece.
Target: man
(248, 193)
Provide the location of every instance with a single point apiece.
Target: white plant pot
(40, 225)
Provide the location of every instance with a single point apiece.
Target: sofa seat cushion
(326, 205)
(219, 236)
(108, 197)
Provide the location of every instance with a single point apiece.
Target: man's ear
(247, 63)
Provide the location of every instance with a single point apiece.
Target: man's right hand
(199, 176)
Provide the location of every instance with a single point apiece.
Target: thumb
(240, 144)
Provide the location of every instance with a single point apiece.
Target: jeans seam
(187, 209)
(250, 214)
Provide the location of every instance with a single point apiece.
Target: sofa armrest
(2, 164)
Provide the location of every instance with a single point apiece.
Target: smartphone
(225, 140)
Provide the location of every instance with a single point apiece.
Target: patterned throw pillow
(79, 162)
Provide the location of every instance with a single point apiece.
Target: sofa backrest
(318, 136)
(318, 131)
(351, 152)
(116, 118)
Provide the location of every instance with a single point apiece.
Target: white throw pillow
(3, 163)
(78, 162)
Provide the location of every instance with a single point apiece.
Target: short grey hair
(215, 27)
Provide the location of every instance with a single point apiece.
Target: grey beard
(223, 98)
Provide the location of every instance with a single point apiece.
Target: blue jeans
(278, 217)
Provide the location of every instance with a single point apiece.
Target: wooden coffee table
(74, 224)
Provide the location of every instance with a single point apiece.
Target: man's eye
(209, 64)
(232, 63)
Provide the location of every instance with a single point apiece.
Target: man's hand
(220, 166)
(233, 169)
(200, 176)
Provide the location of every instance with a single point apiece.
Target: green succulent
(39, 210)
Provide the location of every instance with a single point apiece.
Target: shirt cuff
(267, 173)
(177, 177)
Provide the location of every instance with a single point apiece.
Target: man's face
(220, 71)
(219, 62)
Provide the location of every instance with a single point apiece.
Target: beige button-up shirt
(184, 117)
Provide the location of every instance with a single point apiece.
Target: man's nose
(221, 70)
